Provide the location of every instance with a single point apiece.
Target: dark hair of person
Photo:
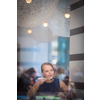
(46, 63)
(30, 71)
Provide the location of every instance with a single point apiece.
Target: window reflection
(59, 52)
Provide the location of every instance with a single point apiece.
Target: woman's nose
(49, 71)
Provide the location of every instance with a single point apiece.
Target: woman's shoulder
(57, 80)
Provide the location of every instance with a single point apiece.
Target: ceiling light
(67, 15)
(29, 31)
(45, 24)
(28, 1)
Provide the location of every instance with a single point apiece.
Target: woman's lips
(50, 75)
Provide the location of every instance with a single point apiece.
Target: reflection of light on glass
(28, 1)
(29, 31)
(54, 61)
(54, 53)
(54, 44)
(69, 88)
(67, 15)
(45, 24)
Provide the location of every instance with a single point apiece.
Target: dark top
(50, 87)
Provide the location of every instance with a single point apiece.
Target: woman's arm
(63, 86)
(35, 87)
(67, 92)
(70, 93)
(33, 90)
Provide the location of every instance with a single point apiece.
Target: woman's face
(48, 71)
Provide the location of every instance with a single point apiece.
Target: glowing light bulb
(29, 31)
(67, 15)
(45, 24)
(28, 1)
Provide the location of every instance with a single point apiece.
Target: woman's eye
(46, 71)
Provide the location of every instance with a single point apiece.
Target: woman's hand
(34, 88)
(62, 95)
(41, 81)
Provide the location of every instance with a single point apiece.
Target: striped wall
(77, 41)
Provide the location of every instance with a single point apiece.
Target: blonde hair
(46, 63)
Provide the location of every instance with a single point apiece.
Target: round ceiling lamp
(29, 31)
(24, 39)
(67, 15)
(28, 1)
(43, 34)
(45, 24)
(35, 13)
(58, 24)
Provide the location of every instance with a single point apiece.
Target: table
(76, 95)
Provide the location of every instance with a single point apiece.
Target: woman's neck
(49, 80)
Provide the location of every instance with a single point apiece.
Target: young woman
(48, 83)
